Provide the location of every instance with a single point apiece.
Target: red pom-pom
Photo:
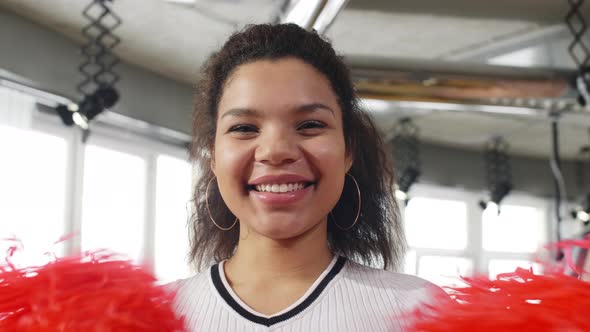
(517, 301)
(92, 292)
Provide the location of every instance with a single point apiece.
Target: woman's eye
(243, 129)
(312, 124)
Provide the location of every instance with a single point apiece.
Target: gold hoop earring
(358, 212)
(209, 211)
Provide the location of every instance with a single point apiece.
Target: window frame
(474, 250)
(103, 135)
(520, 199)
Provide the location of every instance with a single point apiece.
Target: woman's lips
(286, 198)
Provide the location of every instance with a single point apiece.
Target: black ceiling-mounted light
(582, 167)
(498, 173)
(97, 87)
(406, 155)
(92, 105)
(582, 211)
(66, 113)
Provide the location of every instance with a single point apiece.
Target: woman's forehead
(286, 83)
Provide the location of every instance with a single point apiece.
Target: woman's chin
(279, 233)
(282, 230)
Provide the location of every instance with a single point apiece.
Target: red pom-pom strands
(517, 301)
(92, 292)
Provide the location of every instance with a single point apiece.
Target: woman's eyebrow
(249, 112)
(314, 107)
(241, 112)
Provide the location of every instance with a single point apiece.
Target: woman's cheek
(329, 151)
(232, 159)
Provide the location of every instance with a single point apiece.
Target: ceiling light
(407, 157)
(80, 120)
(72, 107)
(401, 196)
(583, 216)
(498, 173)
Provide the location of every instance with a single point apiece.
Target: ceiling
(541, 11)
(174, 39)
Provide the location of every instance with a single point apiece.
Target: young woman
(294, 194)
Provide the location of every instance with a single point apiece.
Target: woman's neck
(260, 259)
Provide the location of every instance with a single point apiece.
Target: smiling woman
(295, 194)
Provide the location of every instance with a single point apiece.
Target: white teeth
(280, 188)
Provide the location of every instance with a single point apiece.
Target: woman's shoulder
(187, 285)
(396, 284)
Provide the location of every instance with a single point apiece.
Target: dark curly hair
(378, 236)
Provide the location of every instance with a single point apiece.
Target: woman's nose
(277, 147)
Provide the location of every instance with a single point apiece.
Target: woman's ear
(212, 162)
(348, 162)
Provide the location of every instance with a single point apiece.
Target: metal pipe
(43, 97)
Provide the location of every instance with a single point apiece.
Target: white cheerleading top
(346, 297)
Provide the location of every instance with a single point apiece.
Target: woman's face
(279, 155)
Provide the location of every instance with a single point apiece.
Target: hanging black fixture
(578, 49)
(406, 154)
(98, 86)
(582, 212)
(582, 166)
(498, 173)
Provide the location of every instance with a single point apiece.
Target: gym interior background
(483, 100)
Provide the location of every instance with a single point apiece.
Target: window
(433, 226)
(436, 223)
(410, 262)
(515, 229)
(32, 176)
(497, 266)
(113, 201)
(123, 190)
(510, 239)
(32, 190)
(451, 237)
(444, 270)
(173, 194)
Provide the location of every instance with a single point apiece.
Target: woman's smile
(280, 189)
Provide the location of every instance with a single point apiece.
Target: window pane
(410, 262)
(113, 201)
(516, 229)
(436, 223)
(497, 266)
(173, 191)
(32, 189)
(444, 270)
